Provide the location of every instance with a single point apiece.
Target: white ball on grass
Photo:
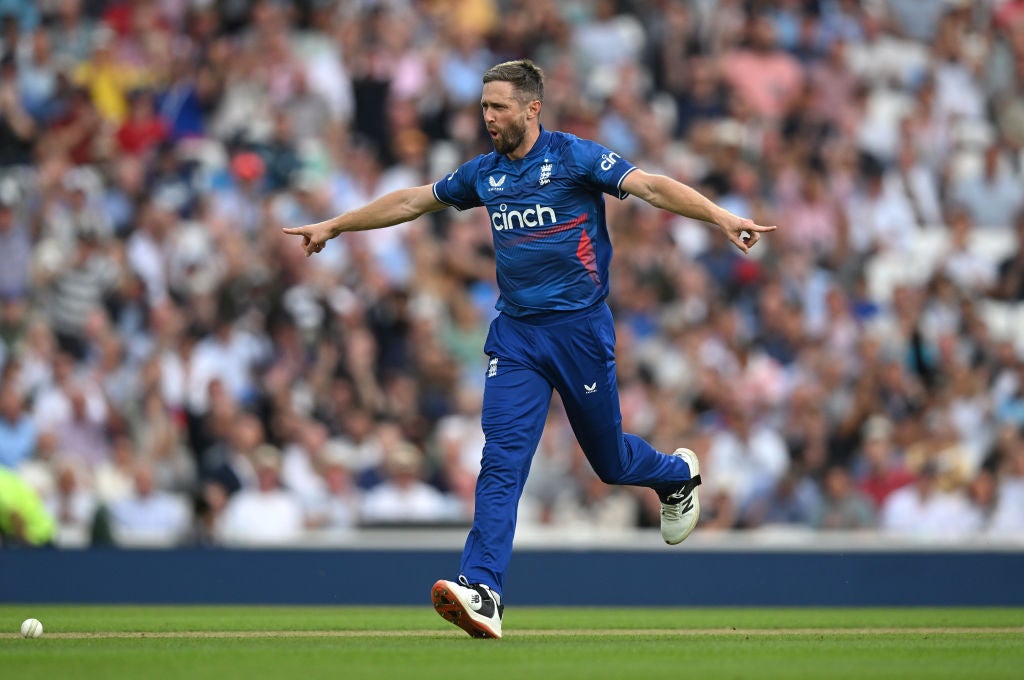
(31, 628)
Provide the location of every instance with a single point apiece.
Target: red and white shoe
(473, 607)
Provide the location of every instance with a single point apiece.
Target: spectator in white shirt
(267, 514)
(923, 510)
(745, 456)
(72, 503)
(1007, 518)
(972, 271)
(338, 506)
(404, 496)
(883, 215)
(992, 196)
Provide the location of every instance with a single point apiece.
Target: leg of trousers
(576, 357)
(516, 403)
(582, 371)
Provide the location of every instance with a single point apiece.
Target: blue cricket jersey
(547, 220)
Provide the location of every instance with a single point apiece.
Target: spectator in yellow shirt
(23, 518)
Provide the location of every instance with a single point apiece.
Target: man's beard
(509, 139)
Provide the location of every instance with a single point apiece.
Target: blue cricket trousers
(573, 353)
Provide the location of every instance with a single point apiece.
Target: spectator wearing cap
(403, 496)
(267, 514)
(959, 426)
(240, 204)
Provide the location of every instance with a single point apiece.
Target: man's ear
(533, 109)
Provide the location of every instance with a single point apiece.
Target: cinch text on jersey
(536, 216)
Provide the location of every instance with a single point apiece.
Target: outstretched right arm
(390, 209)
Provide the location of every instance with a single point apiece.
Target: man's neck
(520, 152)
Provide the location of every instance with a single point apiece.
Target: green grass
(591, 643)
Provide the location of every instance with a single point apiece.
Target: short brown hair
(526, 77)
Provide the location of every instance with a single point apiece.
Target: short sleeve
(459, 188)
(600, 167)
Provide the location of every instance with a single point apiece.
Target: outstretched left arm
(668, 194)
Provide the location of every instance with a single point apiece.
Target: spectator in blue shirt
(17, 430)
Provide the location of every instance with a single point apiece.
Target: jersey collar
(541, 144)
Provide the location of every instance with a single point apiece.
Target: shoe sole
(694, 464)
(451, 610)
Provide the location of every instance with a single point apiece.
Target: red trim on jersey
(585, 251)
(550, 231)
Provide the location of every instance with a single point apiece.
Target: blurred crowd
(174, 371)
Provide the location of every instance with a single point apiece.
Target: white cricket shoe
(681, 510)
(474, 608)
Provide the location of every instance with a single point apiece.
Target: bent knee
(610, 475)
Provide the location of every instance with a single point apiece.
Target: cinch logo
(536, 216)
(609, 159)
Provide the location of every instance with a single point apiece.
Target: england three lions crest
(545, 173)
